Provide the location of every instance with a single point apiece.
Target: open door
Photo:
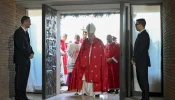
(49, 51)
(125, 51)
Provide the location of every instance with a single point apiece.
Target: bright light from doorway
(104, 25)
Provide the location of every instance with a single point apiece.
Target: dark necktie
(26, 35)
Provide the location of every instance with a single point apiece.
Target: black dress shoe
(85, 94)
(110, 91)
(27, 99)
(21, 99)
(97, 95)
(143, 99)
(18, 98)
(116, 91)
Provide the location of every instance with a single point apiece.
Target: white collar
(24, 29)
(142, 31)
(109, 43)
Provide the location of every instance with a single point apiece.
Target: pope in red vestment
(65, 56)
(90, 73)
(112, 55)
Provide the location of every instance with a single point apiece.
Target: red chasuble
(65, 57)
(93, 65)
(113, 51)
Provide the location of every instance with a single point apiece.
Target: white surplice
(72, 51)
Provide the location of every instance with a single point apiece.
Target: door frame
(58, 85)
(129, 53)
(125, 53)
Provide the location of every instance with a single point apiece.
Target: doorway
(36, 25)
(151, 13)
(126, 41)
(75, 24)
(34, 86)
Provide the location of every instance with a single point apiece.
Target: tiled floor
(34, 96)
(138, 98)
(71, 96)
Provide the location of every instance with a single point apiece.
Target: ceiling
(35, 4)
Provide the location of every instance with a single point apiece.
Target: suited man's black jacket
(22, 47)
(141, 48)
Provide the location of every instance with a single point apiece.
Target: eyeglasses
(136, 24)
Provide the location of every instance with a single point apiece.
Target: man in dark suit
(22, 54)
(141, 57)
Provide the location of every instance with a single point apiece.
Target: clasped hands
(133, 62)
(31, 56)
(109, 59)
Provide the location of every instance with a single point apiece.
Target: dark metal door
(49, 59)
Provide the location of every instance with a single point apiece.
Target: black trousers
(142, 77)
(21, 79)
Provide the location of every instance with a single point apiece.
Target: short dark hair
(109, 35)
(141, 21)
(114, 38)
(24, 18)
